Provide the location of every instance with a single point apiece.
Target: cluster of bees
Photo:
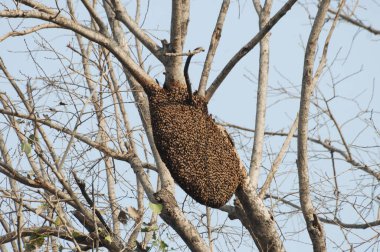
(199, 155)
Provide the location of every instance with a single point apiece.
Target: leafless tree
(79, 168)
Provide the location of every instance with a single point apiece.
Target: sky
(353, 70)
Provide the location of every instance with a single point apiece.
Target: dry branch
(247, 48)
(314, 227)
(216, 35)
(356, 22)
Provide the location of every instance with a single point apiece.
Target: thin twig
(90, 202)
(322, 61)
(357, 23)
(28, 31)
(277, 161)
(337, 222)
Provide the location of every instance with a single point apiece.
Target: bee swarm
(199, 155)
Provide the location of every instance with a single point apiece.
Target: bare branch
(216, 35)
(189, 53)
(46, 231)
(173, 215)
(80, 137)
(357, 23)
(314, 227)
(123, 16)
(95, 16)
(247, 48)
(146, 81)
(260, 219)
(322, 61)
(261, 106)
(38, 6)
(7, 170)
(28, 31)
(176, 27)
(185, 18)
(173, 67)
(278, 160)
(325, 143)
(335, 221)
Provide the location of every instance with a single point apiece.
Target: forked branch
(141, 76)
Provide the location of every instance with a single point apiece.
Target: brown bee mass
(199, 155)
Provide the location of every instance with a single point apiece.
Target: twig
(322, 61)
(28, 31)
(82, 187)
(357, 23)
(278, 159)
(335, 221)
(336, 189)
(324, 143)
(19, 224)
(338, 128)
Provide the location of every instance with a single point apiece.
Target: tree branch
(261, 105)
(261, 221)
(47, 231)
(335, 221)
(49, 123)
(357, 23)
(122, 15)
(28, 31)
(325, 143)
(143, 78)
(174, 216)
(185, 18)
(278, 160)
(314, 227)
(247, 48)
(176, 27)
(215, 38)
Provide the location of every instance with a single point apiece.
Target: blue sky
(353, 69)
